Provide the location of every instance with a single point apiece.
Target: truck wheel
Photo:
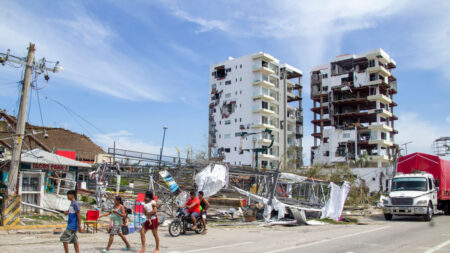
(429, 215)
(388, 216)
(447, 208)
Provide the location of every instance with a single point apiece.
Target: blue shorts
(194, 214)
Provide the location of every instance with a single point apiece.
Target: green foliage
(123, 182)
(84, 199)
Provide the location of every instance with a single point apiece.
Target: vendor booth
(45, 178)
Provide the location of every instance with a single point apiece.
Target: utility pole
(30, 66)
(162, 146)
(406, 146)
(20, 126)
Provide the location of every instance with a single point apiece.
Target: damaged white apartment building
(353, 108)
(248, 95)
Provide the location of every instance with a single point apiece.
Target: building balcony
(375, 82)
(264, 125)
(264, 83)
(383, 158)
(381, 112)
(291, 117)
(263, 69)
(265, 141)
(263, 56)
(382, 142)
(263, 96)
(380, 127)
(290, 95)
(380, 97)
(379, 69)
(267, 156)
(259, 109)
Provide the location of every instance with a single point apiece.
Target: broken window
(227, 150)
(228, 70)
(324, 76)
(227, 122)
(340, 151)
(228, 82)
(220, 73)
(373, 77)
(371, 63)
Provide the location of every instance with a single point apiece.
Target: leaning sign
(44, 166)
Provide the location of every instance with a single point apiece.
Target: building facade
(353, 108)
(253, 98)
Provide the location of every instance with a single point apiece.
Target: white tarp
(55, 202)
(290, 178)
(335, 204)
(212, 179)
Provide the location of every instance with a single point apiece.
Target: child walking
(118, 214)
(73, 223)
(150, 211)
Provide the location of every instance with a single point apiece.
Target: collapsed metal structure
(142, 169)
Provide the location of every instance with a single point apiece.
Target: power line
(39, 104)
(76, 114)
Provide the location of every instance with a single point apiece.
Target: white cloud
(205, 25)
(88, 50)
(126, 140)
(422, 133)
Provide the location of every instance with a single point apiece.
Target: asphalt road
(400, 235)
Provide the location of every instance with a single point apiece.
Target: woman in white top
(150, 211)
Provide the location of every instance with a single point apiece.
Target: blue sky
(131, 67)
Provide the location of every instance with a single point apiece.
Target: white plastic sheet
(335, 204)
(212, 179)
(290, 178)
(56, 202)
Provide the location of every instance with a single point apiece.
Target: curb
(19, 227)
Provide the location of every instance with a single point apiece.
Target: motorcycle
(184, 223)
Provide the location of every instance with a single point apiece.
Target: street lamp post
(406, 146)
(162, 146)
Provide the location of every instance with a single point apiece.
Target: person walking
(118, 213)
(150, 210)
(73, 223)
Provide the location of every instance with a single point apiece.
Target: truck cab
(412, 194)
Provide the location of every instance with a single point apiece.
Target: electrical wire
(72, 112)
(40, 108)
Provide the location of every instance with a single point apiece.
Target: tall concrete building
(354, 109)
(248, 95)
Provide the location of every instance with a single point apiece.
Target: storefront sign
(43, 166)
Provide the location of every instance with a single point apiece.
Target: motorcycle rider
(193, 205)
(204, 206)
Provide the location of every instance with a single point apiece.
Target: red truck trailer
(434, 165)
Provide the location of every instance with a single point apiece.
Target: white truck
(412, 194)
